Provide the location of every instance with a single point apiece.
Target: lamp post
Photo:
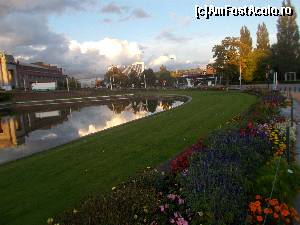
(240, 78)
(110, 83)
(173, 60)
(67, 80)
(24, 81)
(145, 81)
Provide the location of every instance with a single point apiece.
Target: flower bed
(211, 183)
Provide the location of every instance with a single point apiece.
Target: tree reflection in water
(36, 129)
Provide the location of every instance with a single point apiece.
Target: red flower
(250, 125)
(276, 216)
(181, 162)
(285, 213)
(259, 219)
(258, 197)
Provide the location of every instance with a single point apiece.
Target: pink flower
(182, 221)
(180, 201)
(162, 208)
(171, 196)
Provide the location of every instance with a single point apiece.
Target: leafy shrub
(287, 182)
(130, 203)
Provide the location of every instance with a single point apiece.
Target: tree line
(235, 55)
(162, 78)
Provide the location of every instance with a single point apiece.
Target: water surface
(40, 128)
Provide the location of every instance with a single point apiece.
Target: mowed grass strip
(38, 187)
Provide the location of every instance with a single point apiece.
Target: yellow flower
(50, 221)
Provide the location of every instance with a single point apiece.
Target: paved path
(297, 120)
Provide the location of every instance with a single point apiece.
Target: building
(210, 71)
(14, 74)
(138, 67)
(14, 129)
(8, 71)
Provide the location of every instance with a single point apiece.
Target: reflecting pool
(35, 129)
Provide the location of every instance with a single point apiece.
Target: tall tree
(115, 75)
(246, 42)
(287, 49)
(226, 57)
(245, 53)
(262, 38)
(150, 77)
(262, 53)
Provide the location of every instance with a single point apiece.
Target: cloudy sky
(85, 36)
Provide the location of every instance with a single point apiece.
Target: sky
(86, 36)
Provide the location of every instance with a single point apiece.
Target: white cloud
(88, 59)
(163, 60)
(108, 47)
(93, 57)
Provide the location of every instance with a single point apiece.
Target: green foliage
(287, 183)
(164, 77)
(250, 66)
(227, 58)
(263, 62)
(133, 79)
(73, 83)
(262, 38)
(150, 77)
(245, 42)
(130, 203)
(287, 49)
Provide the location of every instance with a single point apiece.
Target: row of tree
(237, 55)
(162, 78)
(73, 84)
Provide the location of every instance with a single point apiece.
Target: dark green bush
(287, 182)
(5, 96)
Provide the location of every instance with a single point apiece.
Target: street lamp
(68, 88)
(173, 60)
(145, 81)
(240, 78)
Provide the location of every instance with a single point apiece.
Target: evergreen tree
(263, 42)
(287, 49)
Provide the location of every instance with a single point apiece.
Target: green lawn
(38, 187)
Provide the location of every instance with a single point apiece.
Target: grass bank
(38, 187)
